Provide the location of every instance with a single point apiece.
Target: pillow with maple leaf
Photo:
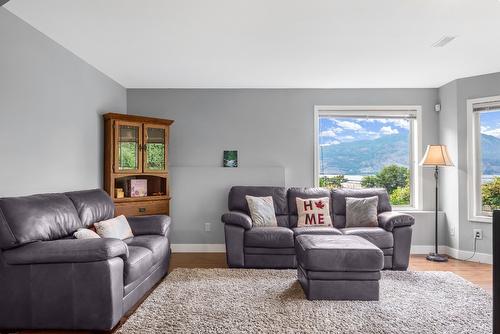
(313, 212)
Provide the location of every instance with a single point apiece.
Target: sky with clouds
(490, 123)
(337, 130)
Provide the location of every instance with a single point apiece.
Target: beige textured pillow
(117, 228)
(262, 210)
(361, 212)
(313, 212)
(85, 233)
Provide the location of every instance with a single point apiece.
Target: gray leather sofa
(273, 247)
(49, 280)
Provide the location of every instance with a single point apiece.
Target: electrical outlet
(478, 233)
(208, 227)
(452, 231)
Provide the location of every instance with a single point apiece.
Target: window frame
(475, 213)
(380, 111)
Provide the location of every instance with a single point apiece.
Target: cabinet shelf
(143, 198)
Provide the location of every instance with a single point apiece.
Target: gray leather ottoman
(338, 267)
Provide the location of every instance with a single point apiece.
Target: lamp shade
(436, 155)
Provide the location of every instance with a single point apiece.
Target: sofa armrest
(237, 218)
(390, 219)
(67, 251)
(150, 225)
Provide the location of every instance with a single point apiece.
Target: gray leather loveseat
(49, 280)
(273, 247)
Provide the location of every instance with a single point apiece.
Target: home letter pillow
(117, 228)
(313, 212)
(262, 210)
(361, 212)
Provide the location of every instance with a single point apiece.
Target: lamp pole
(436, 256)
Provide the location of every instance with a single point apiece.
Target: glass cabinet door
(127, 147)
(155, 148)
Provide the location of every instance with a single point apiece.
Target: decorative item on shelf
(119, 193)
(436, 156)
(159, 193)
(138, 188)
(230, 159)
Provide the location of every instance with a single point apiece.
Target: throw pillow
(262, 210)
(85, 233)
(361, 212)
(117, 228)
(313, 212)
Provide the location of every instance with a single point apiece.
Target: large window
(366, 148)
(484, 157)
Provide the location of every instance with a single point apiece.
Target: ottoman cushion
(337, 253)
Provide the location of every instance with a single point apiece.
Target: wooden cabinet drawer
(142, 208)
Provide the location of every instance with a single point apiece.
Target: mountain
(366, 157)
(490, 151)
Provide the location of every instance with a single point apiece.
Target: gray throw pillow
(361, 212)
(262, 210)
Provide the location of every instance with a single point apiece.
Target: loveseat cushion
(158, 245)
(269, 237)
(376, 235)
(139, 261)
(303, 193)
(37, 218)
(316, 230)
(92, 206)
(238, 202)
(339, 202)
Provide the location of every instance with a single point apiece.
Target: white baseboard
(198, 248)
(415, 249)
(453, 252)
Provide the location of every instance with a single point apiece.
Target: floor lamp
(436, 156)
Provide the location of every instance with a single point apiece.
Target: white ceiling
(274, 43)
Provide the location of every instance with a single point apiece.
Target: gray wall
(453, 124)
(269, 128)
(50, 106)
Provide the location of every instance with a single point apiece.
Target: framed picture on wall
(230, 159)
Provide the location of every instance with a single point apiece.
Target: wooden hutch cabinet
(136, 164)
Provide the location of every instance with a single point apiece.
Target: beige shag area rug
(272, 301)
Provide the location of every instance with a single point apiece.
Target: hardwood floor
(478, 273)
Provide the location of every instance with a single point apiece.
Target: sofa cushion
(376, 235)
(238, 202)
(269, 237)
(139, 261)
(313, 212)
(117, 228)
(339, 202)
(262, 210)
(92, 205)
(37, 218)
(157, 244)
(295, 192)
(316, 230)
(361, 212)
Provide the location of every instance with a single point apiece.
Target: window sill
(481, 219)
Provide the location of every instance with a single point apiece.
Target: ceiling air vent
(443, 41)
